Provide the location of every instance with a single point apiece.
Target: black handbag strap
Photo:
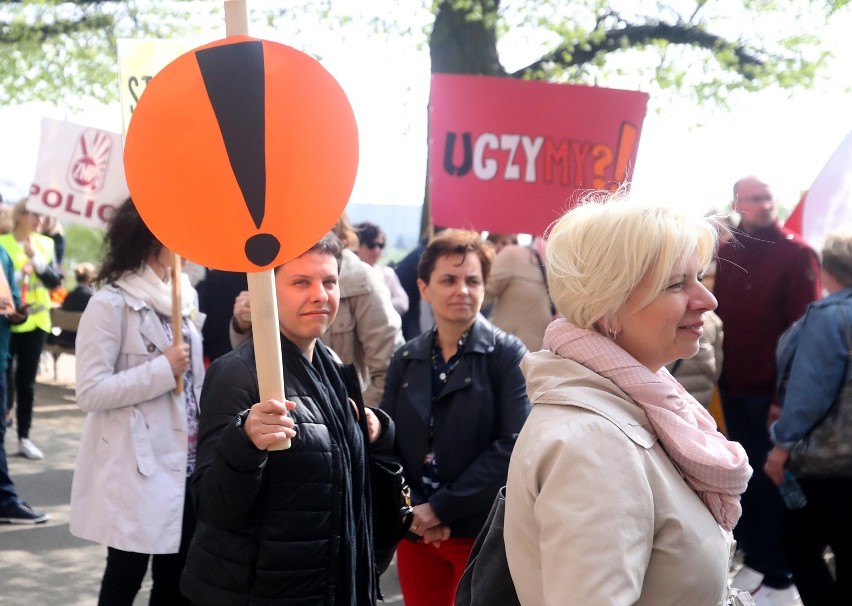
(541, 268)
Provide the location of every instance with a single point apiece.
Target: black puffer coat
(273, 526)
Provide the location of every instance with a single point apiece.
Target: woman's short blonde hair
(600, 250)
(837, 256)
(18, 211)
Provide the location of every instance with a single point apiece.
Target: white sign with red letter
(79, 175)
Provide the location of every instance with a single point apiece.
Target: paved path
(45, 565)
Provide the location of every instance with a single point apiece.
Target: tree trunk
(462, 43)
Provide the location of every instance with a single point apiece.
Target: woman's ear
(608, 327)
(424, 293)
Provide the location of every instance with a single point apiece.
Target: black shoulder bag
(50, 277)
(392, 510)
(486, 580)
(826, 451)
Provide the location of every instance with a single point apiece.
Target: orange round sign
(241, 154)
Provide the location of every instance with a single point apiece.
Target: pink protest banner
(79, 174)
(506, 155)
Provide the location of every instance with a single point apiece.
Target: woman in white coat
(621, 491)
(137, 450)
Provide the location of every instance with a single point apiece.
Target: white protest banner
(828, 203)
(138, 62)
(79, 175)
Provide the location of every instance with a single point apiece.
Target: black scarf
(324, 382)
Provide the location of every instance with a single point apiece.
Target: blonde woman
(620, 489)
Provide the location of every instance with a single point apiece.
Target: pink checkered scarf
(714, 467)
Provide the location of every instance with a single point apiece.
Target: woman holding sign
(137, 451)
(287, 526)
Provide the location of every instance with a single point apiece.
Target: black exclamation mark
(234, 78)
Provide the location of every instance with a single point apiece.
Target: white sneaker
(767, 596)
(29, 450)
(747, 579)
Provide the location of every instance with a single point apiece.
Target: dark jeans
(8, 497)
(125, 570)
(758, 532)
(826, 521)
(26, 348)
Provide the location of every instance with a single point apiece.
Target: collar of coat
(554, 380)
(150, 325)
(482, 339)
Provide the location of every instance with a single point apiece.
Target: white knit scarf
(146, 285)
(713, 466)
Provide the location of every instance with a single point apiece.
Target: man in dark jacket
(287, 526)
(765, 279)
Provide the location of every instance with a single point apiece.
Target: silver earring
(613, 334)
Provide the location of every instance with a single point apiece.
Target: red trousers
(429, 575)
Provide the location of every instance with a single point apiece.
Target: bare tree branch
(635, 36)
(45, 31)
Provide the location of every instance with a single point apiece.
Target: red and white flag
(828, 203)
(79, 174)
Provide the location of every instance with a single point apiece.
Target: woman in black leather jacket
(458, 400)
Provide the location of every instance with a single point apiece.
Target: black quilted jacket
(270, 524)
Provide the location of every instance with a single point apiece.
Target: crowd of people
(580, 370)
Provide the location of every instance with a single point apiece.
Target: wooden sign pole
(236, 18)
(267, 340)
(264, 308)
(177, 318)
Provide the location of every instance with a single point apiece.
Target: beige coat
(367, 329)
(516, 290)
(699, 374)
(596, 512)
(130, 478)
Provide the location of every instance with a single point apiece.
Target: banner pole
(177, 319)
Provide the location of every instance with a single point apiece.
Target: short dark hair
(368, 232)
(455, 242)
(329, 244)
(128, 243)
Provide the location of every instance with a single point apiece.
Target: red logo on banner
(507, 155)
(88, 166)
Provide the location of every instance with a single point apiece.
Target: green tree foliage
(81, 244)
(701, 49)
(64, 52)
